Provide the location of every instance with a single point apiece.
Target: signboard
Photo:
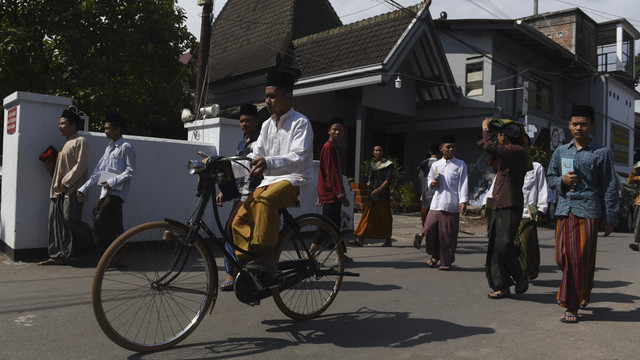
(620, 144)
(12, 120)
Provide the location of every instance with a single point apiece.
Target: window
(474, 79)
(540, 96)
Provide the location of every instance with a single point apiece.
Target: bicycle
(170, 281)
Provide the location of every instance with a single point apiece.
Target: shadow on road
(361, 329)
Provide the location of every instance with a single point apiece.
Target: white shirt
(118, 158)
(452, 188)
(534, 189)
(287, 150)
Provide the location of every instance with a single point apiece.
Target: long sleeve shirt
(534, 190)
(453, 188)
(596, 193)
(119, 159)
(330, 187)
(507, 187)
(287, 149)
(72, 166)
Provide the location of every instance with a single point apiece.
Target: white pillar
(222, 132)
(619, 42)
(25, 182)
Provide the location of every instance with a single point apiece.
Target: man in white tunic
(448, 176)
(283, 153)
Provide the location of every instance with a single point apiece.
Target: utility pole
(535, 7)
(203, 52)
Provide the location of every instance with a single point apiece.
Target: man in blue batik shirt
(582, 173)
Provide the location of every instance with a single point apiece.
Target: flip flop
(227, 285)
(432, 262)
(355, 243)
(444, 268)
(569, 318)
(499, 294)
(53, 262)
(522, 286)
(258, 266)
(585, 303)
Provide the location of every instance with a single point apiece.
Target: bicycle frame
(196, 223)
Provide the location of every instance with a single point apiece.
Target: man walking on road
(448, 177)
(582, 173)
(113, 173)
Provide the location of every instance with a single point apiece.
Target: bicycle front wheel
(318, 285)
(151, 289)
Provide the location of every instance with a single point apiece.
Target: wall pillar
(25, 182)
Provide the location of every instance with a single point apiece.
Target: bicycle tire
(131, 310)
(311, 296)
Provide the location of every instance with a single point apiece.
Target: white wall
(161, 188)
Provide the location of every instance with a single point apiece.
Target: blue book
(566, 164)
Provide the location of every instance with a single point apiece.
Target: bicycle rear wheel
(135, 304)
(318, 285)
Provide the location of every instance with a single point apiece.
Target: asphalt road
(396, 309)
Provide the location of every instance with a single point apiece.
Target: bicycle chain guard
(248, 287)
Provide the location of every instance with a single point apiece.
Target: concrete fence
(161, 188)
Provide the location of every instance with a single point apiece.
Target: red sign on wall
(12, 120)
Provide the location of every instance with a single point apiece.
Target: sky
(354, 10)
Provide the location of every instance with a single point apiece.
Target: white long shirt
(287, 150)
(452, 184)
(534, 189)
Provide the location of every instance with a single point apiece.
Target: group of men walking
(582, 174)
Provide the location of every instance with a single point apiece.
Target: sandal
(569, 318)
(355, 243)
(256, 265)
(444, 268)
(432, 262)
(499, 294)
(523, 285)
(227, 285)
(386, 244)
(585, 303)
(53, 261)
(634, 246)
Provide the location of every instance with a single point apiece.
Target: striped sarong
(576, 242)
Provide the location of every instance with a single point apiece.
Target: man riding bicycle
(283, 155)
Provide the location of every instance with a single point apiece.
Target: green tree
(108, 55)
